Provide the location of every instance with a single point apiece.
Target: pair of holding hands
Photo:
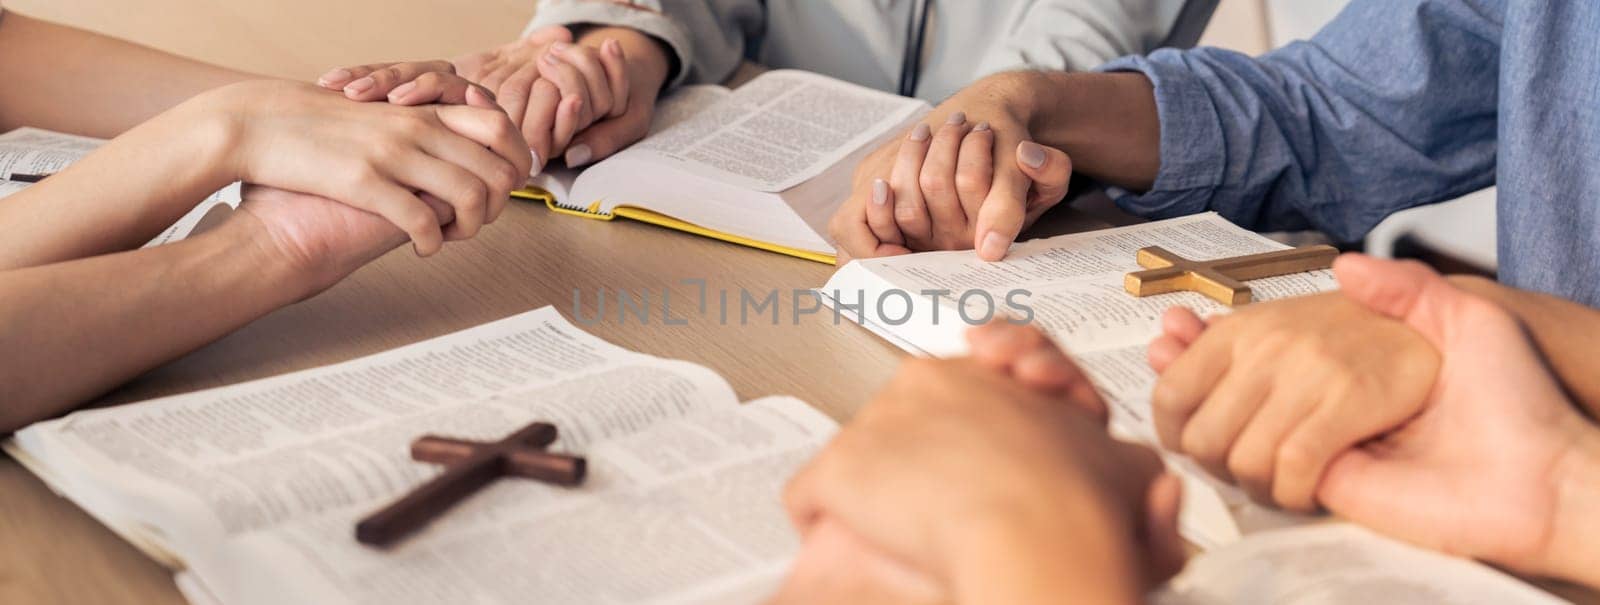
(1404, 403)
(580, 99)
(1492, 461)
(332, 184)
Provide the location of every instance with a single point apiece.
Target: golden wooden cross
(1221, 279)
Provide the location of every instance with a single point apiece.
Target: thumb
(599, 141)
(1405, 290)
(1049, 168)
(1366, 489)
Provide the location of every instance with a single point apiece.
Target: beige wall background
(302, 38)
(295, 38)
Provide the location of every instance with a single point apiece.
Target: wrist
(252, 247)
(214, 133)
(1076, 548)
(1571, 553)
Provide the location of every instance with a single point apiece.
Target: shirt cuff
(600, 12)
(1193, 151)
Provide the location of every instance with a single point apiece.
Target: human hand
(1034, 472)
(583, 99)
(379, 158)
(321, 240)
(1028, 356)
(975, 182)
(1268, 396)
(835, 565)
(1499, 465)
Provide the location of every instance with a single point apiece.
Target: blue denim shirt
(1395, 104)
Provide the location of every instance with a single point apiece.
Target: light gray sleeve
(1078, 35)
(707, 37)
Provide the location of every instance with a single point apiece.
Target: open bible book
(253, 490)
(30, 153)
(763, 166)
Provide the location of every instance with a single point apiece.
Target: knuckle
(1199, 444)
(419, 221)
(507, 178)
(970, 183)
(388, 74)
(935, 184)
(1296, 457)
(1247, 467)
(1169, 397)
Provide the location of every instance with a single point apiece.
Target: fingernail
(339, 74)
(612, 46)
(551, 58)
(559, 47)
(994, 246)
(920, 133)
(538, 164)
(959, 117)
(579, 155)
(401, 90)
(880, 192)
(981, 127)
(360, 86)
(1031, 154)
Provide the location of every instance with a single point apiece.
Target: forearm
(1563, 330)
(76, 329)
(70, 80)
(121, 195)
(1106, 122)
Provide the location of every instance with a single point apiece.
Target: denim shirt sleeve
(1392, 105)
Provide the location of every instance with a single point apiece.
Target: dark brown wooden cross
(1221, 279)
(470, 465)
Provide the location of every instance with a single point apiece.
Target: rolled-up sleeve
(1392, 105)
(707, 37)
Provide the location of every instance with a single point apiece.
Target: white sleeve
(707, 37)
(1078, 35)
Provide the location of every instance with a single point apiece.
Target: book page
(777, 131)
(685, 511)
(38, 152)
(236, 459)
(1339, 563)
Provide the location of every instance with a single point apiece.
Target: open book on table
(253, 490)
(31, 152)
(764, 166)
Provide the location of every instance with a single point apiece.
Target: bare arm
(122, 195)
(70, 80)
(1564, 331)
(153, 304)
